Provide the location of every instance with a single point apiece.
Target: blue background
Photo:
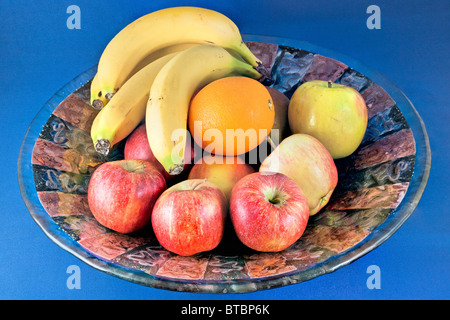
(39, 55)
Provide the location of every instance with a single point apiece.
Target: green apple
(334, 114)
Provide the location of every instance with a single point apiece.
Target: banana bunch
(151, 69)
(126, 109)
(156, 31)
(98, 100)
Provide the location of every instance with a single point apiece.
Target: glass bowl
(379, 186)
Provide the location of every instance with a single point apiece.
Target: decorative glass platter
(379, 186)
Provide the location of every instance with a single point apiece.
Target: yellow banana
(98, 100)
(161, 53)
(126, 109)
(171, 92)
(161, 29)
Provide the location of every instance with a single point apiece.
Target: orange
(231, 116)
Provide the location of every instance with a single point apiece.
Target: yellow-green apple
(306, 161)
(269, 212)
(281, 104)
(138, 147)
(189, 217)
(333, 113)
(122, 193)
(223, 171)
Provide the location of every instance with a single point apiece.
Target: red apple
(222, 171)
(306, 161)
(268, 211)
(122, 193)
(189, 217)
(333, 113)
(137, 147)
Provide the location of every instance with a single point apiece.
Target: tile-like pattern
(266, 54)
(324, 68)
(262, 265)
(387, 196)
(64, 204)
(77, 112)
(354, 79)
(64, 134)
(80, 227)
(389, 172)
(189, 268)
(109, 245)
(372, 183)
(304, 255)
(377, 100)
(226, 267)
(55, 156)
(51, 179)
(383, 124)
(148, 258)
(367, 219)
(290, 67)
(397, 145)
(335, 239)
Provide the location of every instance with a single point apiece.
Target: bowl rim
(380, 234)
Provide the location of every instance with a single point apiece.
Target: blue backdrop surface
(40, 54)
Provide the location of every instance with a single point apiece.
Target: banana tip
(109, 95)
(176, 170)
(103, 146)
(97, 104)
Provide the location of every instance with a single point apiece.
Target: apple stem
(277, 202)
(330, 85)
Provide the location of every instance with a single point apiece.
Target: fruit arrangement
(193, 104)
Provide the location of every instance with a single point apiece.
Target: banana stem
(257, 64)
(246, 53)
(266, 78)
